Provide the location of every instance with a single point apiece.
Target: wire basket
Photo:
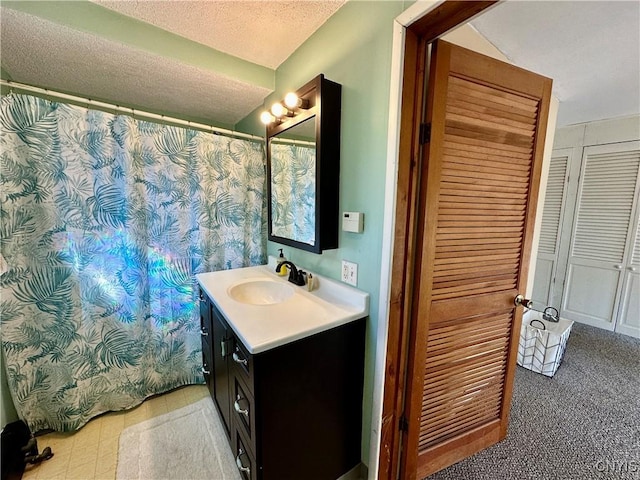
(542, 343)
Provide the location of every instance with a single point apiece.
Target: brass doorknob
(520, 300)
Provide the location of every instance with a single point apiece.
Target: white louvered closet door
(606, 216)
(629, 316)
(552, 218)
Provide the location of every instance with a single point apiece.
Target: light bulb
(278, 110)
(291, 100)
(266, 118)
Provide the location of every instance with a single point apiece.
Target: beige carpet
(186, 444)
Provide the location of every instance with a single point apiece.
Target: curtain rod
(291, 141)
(130, 111)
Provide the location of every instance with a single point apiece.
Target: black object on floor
(19, 447)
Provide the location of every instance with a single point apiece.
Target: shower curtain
(104, 222)
(293, 191)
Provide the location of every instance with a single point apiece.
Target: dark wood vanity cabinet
(206, 335)
(222, 343)
(216, 343)
(294, 411)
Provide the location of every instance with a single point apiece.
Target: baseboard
(359, 472)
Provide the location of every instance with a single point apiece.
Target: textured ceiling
(114, 66)
(591, 50)
(262, 32)
(60, 58)
(165, 56)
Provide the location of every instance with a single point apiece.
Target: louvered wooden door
(479, 185)
(601, 251)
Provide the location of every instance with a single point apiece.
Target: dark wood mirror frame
(324, 97)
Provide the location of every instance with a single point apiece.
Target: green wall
(354, 49)
(7, 410)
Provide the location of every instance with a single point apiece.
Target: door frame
(414, 29)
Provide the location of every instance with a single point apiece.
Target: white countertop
(263, 327)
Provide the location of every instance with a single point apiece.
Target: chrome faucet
(295, 276)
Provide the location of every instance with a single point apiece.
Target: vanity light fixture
(292, 100)
(278, 110)
(267, 118)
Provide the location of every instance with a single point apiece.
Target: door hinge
(425, 133)
(403, 424)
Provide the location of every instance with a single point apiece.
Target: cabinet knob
(203, 332)
(205, 371)
(618, 267)
(238, 359)
(632, 269)
(239, 463)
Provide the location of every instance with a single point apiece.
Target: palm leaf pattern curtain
(104, 222)
(293, 192)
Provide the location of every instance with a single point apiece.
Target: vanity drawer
(241, 363)
(205, 317)
(245, 461)
(207, 366)
(244, 412)
(206, 342)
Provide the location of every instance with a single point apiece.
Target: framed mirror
(303, 169)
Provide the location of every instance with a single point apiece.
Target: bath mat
(188, 443)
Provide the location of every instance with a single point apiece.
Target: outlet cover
(350, 273)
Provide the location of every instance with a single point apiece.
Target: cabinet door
(221, 342)
(205, 334)
(601, 235)
(207, 366)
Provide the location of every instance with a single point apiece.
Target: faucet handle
(299, 277)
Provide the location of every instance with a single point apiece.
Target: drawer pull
(238, 359)
(239, 409)
(239, 464)
(205, 371)
(203, 332)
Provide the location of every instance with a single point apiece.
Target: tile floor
(92, 451)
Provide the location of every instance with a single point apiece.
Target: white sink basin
(265, 311)
(261, 292)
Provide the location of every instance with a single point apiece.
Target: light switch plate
(350, 273)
